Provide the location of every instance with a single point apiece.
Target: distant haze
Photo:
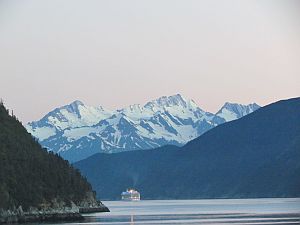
(116, 53)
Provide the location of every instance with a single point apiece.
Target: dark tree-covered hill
(29, 175)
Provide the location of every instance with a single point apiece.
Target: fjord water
(221, 211)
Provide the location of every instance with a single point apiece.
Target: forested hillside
(29, 175)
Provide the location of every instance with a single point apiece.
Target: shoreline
(94, 210)
(50, 215)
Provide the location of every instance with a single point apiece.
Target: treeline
(29, 175)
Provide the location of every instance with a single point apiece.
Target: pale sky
(115, 53)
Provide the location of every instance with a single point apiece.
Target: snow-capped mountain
(231, 111)
(77, 131)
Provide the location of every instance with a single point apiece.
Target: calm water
(233, 211)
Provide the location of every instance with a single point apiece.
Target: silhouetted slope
(32, 177)
(124, 170)
(255, 156)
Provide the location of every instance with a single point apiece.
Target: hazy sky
(115, 53)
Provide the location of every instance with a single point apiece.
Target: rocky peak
(168, 101)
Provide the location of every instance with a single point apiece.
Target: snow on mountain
(76, 131)
(73, 115)
(233, 111)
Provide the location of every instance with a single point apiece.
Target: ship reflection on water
(131, 220)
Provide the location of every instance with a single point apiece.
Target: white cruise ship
(131, 195)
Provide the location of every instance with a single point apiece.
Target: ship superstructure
(131, 195)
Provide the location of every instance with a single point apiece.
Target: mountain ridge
(166, 120)
(256, 156)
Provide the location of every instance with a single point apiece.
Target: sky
(115, 53)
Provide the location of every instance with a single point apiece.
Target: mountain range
(255, 156)
(77, 131)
